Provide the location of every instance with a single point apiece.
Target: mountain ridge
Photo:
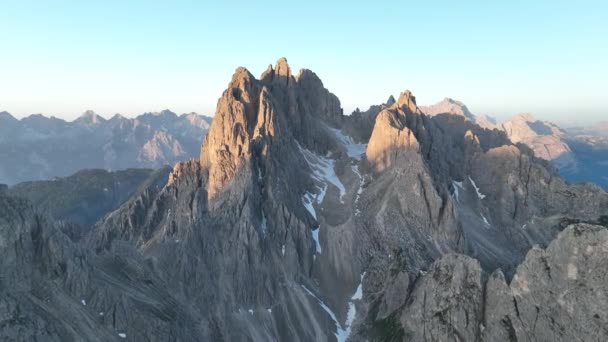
(38, 148)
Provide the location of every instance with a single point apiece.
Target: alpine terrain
(299, 223)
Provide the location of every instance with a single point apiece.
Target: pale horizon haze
(549, 58)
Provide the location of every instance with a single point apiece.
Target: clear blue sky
(499, 57)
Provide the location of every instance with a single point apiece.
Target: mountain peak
(165, 112)
(117, 116)
(451, 101)
(390, 101)
(448, 106)
(273, 108)
(6, 116)
(525, 117)
(90, 117)
(408, 100)
(241, 78)
(282, 67)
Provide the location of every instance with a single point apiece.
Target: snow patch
(122, 335)
(84, 302)
(352, 311)
(307, 200)
(250, 311)
(259, 173)
(485, 220)
(264, 225)
(283, 250)
(479, 194)
(323, 172)
(342, 332)
(353, 149)
(269, 310)
(355, 169)
(359, 292)
(315, 236)
(457, 185)
(339, 330)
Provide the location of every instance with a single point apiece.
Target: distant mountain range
(38, 147)
(581, 154)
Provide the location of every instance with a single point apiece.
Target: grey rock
(54, 290)
(557, 294)
(560, 292)
(86, 196)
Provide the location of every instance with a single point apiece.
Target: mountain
(86, 196)
(454, 107)
(90, 118)
(290, 228)
(546, 139)
(580, 154)
(41, 148)
(448, 106)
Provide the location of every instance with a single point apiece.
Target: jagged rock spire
(407, 100)
(278, 105)
(391, 138)
(90, 117)
(282, 67)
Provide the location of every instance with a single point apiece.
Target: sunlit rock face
(544, 138)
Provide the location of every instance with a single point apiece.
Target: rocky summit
(300, 223)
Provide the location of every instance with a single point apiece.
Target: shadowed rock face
(52, 289)
(287, 228)
(86, 196)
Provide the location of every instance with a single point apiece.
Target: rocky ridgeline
(86, 196)
(547, 140)
(42, 148)
(297, 223)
